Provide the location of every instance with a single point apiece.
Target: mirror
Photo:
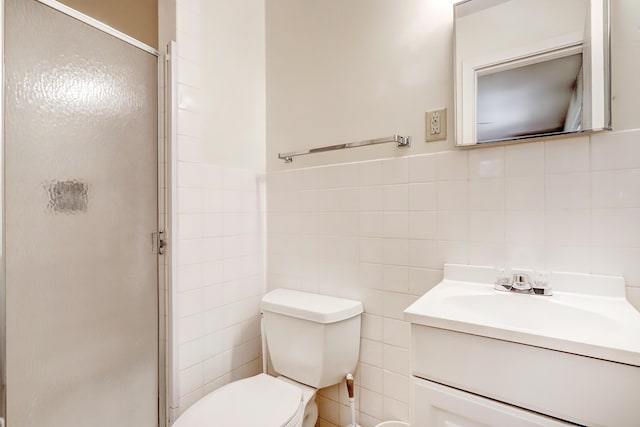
(530, 68)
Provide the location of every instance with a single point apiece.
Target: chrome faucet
(521, 283)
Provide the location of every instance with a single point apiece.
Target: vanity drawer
(575, 388)
(435, 405)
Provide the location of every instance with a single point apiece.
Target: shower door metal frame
(3, 291)
(162, 149)
(60, 7)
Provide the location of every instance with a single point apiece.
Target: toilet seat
(261, 400)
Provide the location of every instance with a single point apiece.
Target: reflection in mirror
(545, 97)
(530, 68)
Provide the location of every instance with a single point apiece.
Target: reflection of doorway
(80, 168)
(515, 100)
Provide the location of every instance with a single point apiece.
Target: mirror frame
(466, 76)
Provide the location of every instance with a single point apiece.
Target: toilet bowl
(261, 400)
(313, 341)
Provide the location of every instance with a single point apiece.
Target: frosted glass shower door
(81, 203)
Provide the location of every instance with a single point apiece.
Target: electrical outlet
(436, 125)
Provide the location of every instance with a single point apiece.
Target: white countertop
(587, 314)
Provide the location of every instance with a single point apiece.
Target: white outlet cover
(436, 125)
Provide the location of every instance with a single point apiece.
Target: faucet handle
(541, 279)
(503, 280)
(541, 284)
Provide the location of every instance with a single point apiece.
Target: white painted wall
(233, 82)
(625, 40)
(347, 71)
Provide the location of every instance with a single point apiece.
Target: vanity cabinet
(582, 390)
(481, 357)
(510, 376)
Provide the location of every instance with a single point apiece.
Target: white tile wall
(383, 234)
(218, 247)
(219, 279)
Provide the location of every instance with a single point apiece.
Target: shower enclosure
(80, 190)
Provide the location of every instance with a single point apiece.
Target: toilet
(312, 340)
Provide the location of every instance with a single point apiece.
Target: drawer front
(565, 386)
(434, 405)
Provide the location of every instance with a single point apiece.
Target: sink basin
(531, 315)
(587, 315)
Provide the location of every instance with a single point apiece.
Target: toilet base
(310, 416)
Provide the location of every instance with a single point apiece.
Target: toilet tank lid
(308, 306)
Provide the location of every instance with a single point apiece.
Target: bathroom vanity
(481, 357)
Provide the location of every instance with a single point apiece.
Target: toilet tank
(313, 339)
